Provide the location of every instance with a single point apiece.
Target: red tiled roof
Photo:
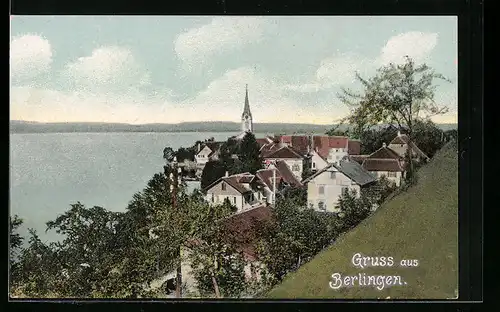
(323, 144)
(287, 174)
(354, 147)
(280, 151)
(242, 228)
(283, 173)
(301, 143)
(285, 139)
(392, 165)
(384, 153)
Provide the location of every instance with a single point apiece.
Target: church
(246, 118)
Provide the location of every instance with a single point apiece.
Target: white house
(325, 186)
(207, 151)
(243, 190)
(385, 162)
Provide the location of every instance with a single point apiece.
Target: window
(213, 198)
(314, 165)
(333, 175)
(321, 206)
(258, 196)
(391, 174)
(344, 189)
(234, 200)
(223, 186)
(321, 189)
(295, 167)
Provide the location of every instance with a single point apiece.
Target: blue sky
(153, 69)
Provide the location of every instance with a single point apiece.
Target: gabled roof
(283, 173)
(392, 165)
(351, 169)
(273, 150)
(213, 146)
(384, 153)
(236, 181)
(242, 232)
(242, 228)
(263, 141)
(403, 139)
(358, 158)
(323, 144)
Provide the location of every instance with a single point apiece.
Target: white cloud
(417, 45)
(107, 66)
(223, 34)
(337, 70)
(223, 100)
(30, 55)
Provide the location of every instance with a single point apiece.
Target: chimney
(199, 147)
(399, 133)
(227, 174)
(384, 145)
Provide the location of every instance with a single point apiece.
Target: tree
(217, 264)
(353, 209)
(16, 242)
(294, 235)
(249, 154)
(373, 139)
(212, 171)
(398, 95)
(428, 137)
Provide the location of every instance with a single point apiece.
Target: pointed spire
(246, 110)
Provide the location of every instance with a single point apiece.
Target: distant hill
(17, 126)
(421, 223)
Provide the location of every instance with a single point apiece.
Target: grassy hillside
(421, 223)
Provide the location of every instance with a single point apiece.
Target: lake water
(50, 171)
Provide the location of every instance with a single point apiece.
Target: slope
(421, 224)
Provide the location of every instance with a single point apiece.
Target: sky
(170, 69)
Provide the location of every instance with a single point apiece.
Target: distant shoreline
(19, 127)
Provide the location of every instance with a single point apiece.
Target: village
(322, 166)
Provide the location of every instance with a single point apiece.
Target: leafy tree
(373, 139)
(428, 137)
(451, 135)
(353, 209)
(249, 154)
(293, 236)
(40, 273)
(228, 149)
(217, 265)
(397, 95)
(185, 154)
(16, 242)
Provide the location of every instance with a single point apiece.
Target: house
(325, 186)
(206, 152)
(273, 152)
(243, 190)
(241, 229)
(276, 177)
(400, 145)
(385, 162)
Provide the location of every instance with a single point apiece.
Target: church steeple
(246, 110)
(246, 117)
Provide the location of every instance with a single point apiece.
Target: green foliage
(398, 94)
(373, 139)
(212, 172)
(428, 137)
(249, 154)
(217, 265)
(294, 235)
(228, 149)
